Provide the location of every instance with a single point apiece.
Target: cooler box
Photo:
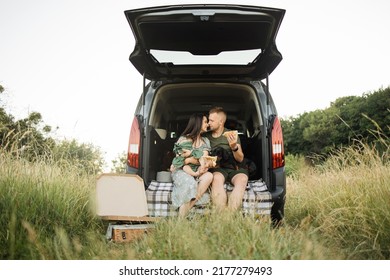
(121, 199)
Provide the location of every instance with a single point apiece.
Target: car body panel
(205, 30)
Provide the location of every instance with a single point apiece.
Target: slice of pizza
(230, 132)
(208, 161)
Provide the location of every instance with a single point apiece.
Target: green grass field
(338, 210)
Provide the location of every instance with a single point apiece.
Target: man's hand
(232, 139)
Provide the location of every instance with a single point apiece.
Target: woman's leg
(203, 184)
(183, 191)
(184, 209)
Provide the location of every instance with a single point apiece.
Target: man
(236, 175)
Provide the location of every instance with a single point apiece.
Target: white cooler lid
(121, 195)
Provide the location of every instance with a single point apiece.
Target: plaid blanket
(256, 201)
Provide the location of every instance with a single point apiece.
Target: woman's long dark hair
(194, 126)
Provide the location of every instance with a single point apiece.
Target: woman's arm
(189, 171)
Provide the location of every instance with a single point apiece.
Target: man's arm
(236, 147)
(238, 153)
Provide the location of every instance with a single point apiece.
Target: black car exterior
(177, 51)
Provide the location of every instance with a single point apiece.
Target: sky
(68, 60)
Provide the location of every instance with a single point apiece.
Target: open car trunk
(173, 105)
(200, 31)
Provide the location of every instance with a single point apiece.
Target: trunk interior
(174, 103)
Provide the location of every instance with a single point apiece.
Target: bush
(295, 165)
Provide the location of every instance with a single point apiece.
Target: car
(195, 57)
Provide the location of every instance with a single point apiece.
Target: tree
(25, 138)
(86, 158)
(347, 119)
(29, 138)
(293, 135)
(119, 164)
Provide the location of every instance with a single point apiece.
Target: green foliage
(338, 210)
(29, 138)
(345, 201)
(295, 164)
(24, 137)
(228, 236)
(119, 164)
(85, 157)
(47, 213)
(39, 202)
(347, 119)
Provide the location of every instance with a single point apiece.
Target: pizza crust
(208, 161)
(230, 132)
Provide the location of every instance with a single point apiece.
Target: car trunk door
(203, 32)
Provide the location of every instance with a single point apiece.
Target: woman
(191, 179)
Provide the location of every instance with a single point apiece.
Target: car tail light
(277, 145)
(134, 145)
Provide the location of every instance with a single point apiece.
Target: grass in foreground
(338, 210)
(346, 202)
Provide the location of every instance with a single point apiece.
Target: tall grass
(338, 210)
(41, 205)
(229, 236)
(346, 201)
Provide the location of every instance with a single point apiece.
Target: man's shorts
(229, 173)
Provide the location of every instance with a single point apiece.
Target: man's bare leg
(218, 193)
(240, 182)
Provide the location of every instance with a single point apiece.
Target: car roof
(164, 33)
